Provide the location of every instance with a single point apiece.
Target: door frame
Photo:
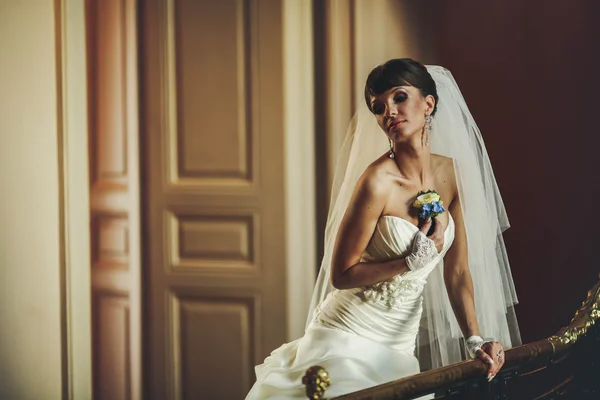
(75, 260)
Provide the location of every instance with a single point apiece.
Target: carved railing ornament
(587, 315)
(537, 355)
(316, 380)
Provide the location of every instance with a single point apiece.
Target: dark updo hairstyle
(400, 72)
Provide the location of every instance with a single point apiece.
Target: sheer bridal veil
(453, 134)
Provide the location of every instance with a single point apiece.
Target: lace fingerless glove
(473, 344)
(423, 252)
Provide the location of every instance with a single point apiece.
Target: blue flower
(425, 211)
(437, 207)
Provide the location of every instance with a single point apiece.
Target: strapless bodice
(393, 325)
(393, 238)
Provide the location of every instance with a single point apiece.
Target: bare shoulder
(375, 179)
(444, 166)
(443, 169)
(439, 160)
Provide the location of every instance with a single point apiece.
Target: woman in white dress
(390, 300)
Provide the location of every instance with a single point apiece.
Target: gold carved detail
(316, 381)
(587, 315)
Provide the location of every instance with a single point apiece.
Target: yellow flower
(427, 198)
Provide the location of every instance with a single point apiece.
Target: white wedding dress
(360, 342)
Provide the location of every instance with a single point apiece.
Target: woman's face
(401, 111)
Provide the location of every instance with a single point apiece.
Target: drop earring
(391, 148)
(428, 119)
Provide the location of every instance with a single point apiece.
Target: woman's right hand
(425, 248)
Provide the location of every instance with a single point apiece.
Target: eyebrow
(395, 89)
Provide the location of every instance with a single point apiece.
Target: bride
(414, 258)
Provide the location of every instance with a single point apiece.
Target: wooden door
(213, 192)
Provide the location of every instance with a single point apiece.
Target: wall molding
(298, 74)
(75, 288)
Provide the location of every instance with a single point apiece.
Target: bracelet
(473, 344)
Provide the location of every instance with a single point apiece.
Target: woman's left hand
(492, 353)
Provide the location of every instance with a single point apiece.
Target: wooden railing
(565, 365)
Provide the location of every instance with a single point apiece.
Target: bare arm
(459, 285)
(457, 276)
(356, 229)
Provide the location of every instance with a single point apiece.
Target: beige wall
(30, 337)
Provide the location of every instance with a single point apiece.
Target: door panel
(212, 124)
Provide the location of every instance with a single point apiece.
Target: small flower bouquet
(429, 204)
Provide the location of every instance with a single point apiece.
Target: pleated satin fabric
(360, 343)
